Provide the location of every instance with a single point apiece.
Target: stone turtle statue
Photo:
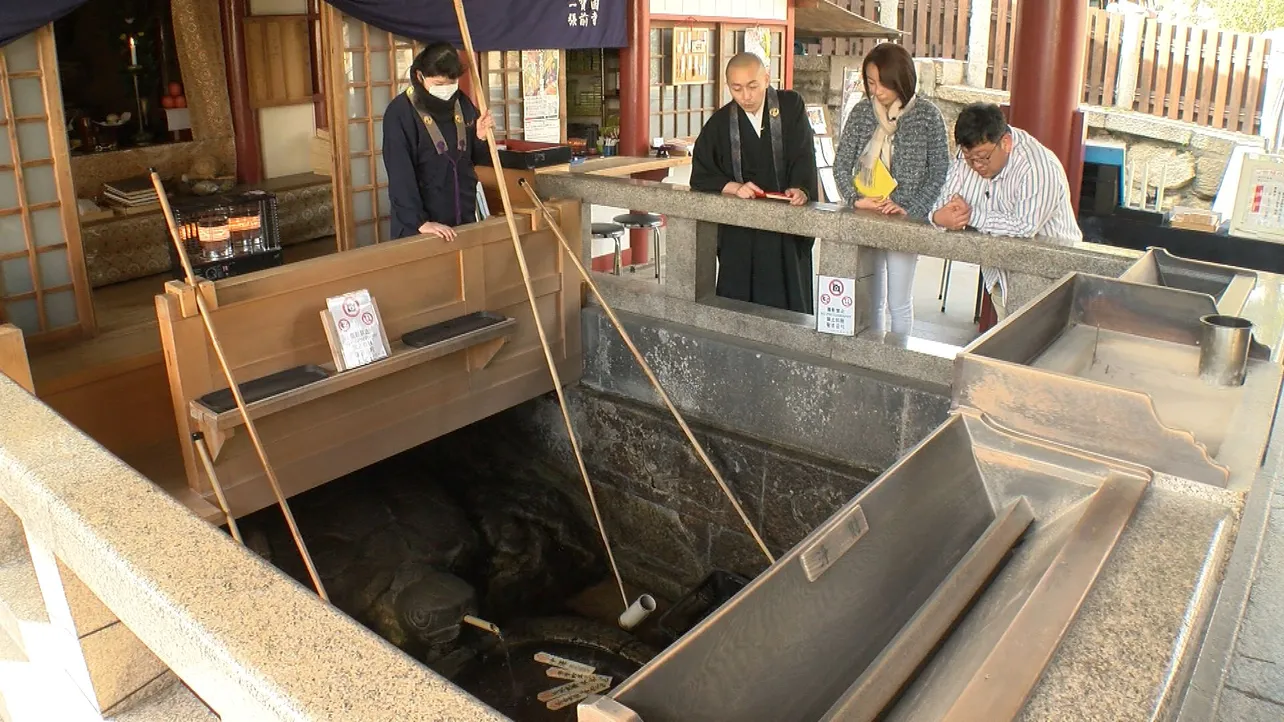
(372, 538)
(407, 555)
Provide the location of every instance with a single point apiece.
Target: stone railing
(250, 642)
(685, 292)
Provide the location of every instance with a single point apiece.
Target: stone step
(166, 699)
(32, 692)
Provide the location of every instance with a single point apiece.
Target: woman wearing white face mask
(432, 137)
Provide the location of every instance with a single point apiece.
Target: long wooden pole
(207, 460)
(646, 368)
(483, 110)
(234, 388)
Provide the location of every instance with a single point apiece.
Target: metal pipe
(1145, 186)
(1223, 349)
(618, 238)
(1163, 186)
(637, 611)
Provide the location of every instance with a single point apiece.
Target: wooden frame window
(679, 110)
(731, 40)
(503, 73)
(44, 289)
(372, 67)
(682, 110)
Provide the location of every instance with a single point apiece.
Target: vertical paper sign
(758, 42)
(541, 96)
(355, 330)
(836, 306)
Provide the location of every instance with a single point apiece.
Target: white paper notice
(827, 149)
(829, 185)
(1266, 202)
(358, 326)
(542, 121)
(836, 306)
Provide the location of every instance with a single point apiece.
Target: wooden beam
(13, 357)
(245, 125)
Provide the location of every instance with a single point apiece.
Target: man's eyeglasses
(979, 160)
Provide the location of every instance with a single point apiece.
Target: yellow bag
(881, 182)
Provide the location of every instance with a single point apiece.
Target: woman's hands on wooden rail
(438, 229)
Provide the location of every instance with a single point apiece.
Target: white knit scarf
(880, 144)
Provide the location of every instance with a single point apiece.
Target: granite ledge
(836, 224)
(251, 642)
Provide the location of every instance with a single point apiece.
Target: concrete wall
(794, 437)
(1190, 158)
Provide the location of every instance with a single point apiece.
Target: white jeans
(892, 292)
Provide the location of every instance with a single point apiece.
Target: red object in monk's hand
(776, 196)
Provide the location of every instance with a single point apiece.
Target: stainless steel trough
(838, 627)
(1077, 506)
(1229, 287)
(1112, 367)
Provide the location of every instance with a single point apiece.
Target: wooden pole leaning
(483, 109)
(234, 388)
(203, 451)
(646, 368)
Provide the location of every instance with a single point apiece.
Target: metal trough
(1228, 286)
(840, 627)
(1112, 367)
(1082, 491)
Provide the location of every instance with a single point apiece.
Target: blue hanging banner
(494, 24)
(500, 24)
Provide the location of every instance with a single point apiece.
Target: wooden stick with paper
(482, 109)
(234, 388)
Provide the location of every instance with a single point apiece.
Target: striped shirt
(1029, 197)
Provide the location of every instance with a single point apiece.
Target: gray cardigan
(920, 155)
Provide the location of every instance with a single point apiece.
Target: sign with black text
(836, 306)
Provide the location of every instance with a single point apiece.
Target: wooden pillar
(321, 113)
(788, 49)
(1047, 76)
(635, 103)
(245, 126)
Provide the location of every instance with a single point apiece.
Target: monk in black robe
(760, 142)
(432, 138)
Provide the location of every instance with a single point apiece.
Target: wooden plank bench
(269, 322)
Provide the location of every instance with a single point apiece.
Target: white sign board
(356, 330)
(836, 306)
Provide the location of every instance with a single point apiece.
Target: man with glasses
(1005, 183)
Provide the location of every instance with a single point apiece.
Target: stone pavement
(1254, 690)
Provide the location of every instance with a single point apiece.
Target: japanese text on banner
(583, 13)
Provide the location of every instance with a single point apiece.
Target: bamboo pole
(646, 368)
(203, 451)
(234, 388)
(483, 110)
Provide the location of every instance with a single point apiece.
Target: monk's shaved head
(746, 63)
(747, 80)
